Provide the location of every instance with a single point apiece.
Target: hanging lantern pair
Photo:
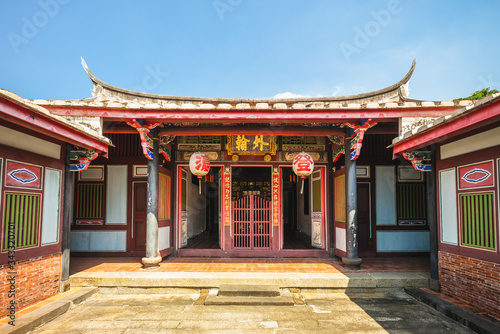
(199, 166)
(303, 165)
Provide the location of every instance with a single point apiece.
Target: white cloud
(288, 95)
(336, 91)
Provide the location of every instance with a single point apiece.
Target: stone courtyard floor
(326, 313)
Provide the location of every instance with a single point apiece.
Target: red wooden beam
(37, 122)
(275, 131)
(374, 130)
(249, 115)
(467, 122)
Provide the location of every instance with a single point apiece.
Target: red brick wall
(475, 281)
(36, 279)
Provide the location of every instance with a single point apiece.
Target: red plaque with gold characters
(276, 214)
(227, 199)
(251, 145)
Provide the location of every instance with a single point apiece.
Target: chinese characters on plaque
(276, 199)
(227, 199)
(251, 144)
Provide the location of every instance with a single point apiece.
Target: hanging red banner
(276, 214)
(227, 199)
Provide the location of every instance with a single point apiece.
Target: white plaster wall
(98, 241)
(469, 144)
(403, 241)
(303, 221)
(163, 238)
(448, 206)
(116, 195)
(385, 195)
(340, 242)
(29, 143)
(51, 206)
(196, 208)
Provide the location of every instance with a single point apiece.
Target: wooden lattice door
(251, 223)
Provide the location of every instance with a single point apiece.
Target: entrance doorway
(138, 229)
(251, 208)
(296, 211)
(365, 239)
(199, 211)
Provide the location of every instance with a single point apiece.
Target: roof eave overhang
(471, 120)
(27, 118)
(249, 116)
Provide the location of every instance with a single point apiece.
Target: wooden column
(68, 192)
(152, 258)
(330, 191)
(430, 179)
(351, 261)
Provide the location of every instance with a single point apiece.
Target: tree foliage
(478, 94)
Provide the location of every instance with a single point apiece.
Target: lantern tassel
(199, 185)
(302, 188)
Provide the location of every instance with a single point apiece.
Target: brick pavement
(128, 264)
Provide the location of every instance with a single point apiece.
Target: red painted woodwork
(251, 223)
(12, 153)
(145, 136)
(229, 130)
(359, 130)
(41, 124)
(454, 162)
(223, 131)
(22, 175)
(467, 123)
(250, 116)
(476, 176)
(139, 219)
(364, 237)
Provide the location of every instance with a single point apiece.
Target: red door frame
(132, 230)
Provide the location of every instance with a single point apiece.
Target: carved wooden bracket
(359, 133)
(356, 141)
(146, 141)
(417, 159)
(165, 146)
(83, 159)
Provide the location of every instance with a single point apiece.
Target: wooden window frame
(34, 228)
(478, 216)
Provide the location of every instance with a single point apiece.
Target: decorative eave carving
(146, 140)
(417, 159)
(356, 141)
(83, 159)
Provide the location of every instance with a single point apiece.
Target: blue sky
(249, 48)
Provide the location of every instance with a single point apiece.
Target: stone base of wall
(35, 279)
(475, 281)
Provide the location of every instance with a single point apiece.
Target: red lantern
(199, 165)
(303, 165)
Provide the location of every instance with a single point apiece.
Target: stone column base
(64, 286)
(151, 261)
(352, 263)
(435, 285)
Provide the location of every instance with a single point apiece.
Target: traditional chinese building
(464, 151)
(37, 152)
(142, 198)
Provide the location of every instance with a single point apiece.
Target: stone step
(248, 290)
(235, 300)
(159, 282)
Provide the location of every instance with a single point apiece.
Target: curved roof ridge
(384, 94)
